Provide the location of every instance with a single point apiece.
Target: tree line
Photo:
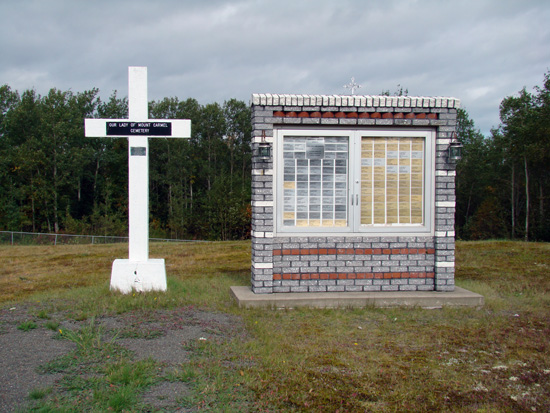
(503, 180)
(53, 179)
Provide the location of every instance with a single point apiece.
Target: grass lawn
(492, 359)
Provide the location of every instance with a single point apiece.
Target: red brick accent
(351, 276)
(362, 115)
(353, 251)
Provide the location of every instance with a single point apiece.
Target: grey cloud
(477, 51)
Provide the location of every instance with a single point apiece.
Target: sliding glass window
(354, 181)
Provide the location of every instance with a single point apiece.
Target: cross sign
(352, 86)
(138, 272)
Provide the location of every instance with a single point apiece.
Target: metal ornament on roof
(352, 86)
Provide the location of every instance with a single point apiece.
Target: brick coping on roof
(268, 99)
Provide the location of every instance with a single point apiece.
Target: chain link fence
(34, 238)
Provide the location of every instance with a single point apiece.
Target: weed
(27, 325)
(52, 325)
(43, 314)
(40, 393)
(121, 399)
(137, 374)
(81, 316)
(88, 338)
(148, 333)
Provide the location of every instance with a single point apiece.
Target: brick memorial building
(353, 193)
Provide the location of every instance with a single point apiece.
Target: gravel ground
(161, 335)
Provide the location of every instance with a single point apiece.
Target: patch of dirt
(164, 396)
(168, 349)
(22, 352)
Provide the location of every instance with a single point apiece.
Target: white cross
(352, 86)
(138, 272)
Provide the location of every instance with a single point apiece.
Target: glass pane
(315, 181)
(392, 181)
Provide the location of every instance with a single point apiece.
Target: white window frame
(354, 227)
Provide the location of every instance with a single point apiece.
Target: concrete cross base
(128, 276)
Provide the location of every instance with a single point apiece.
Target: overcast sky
(477, 51)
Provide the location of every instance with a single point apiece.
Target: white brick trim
(267, 99)
(260, 234)
(445, 264)
(263, 265)
(259, 139)
(262, 172)
(445, 204)
(262, 203)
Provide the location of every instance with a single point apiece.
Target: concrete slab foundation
(424, 299)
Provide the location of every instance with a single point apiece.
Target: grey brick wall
(359, 262)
